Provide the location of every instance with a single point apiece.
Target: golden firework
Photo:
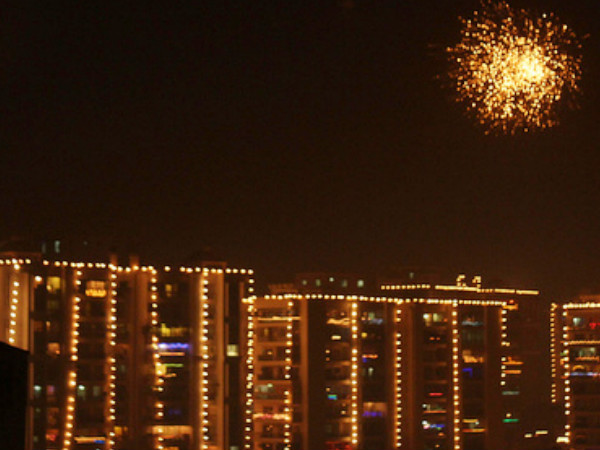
(513, 70)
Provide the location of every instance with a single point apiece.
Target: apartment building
(342, 372)
(576, 370)
(129, 357)
(525, 417)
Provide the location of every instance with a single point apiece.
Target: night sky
(289, 136)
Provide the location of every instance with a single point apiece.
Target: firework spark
(513, 70)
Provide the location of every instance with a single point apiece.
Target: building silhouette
(14, 375)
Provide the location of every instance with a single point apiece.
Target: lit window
(233, 350)
(318, 282)
(53, 348)
(95, 288)
(81, 392)
(344, 283)
(331, 279)
(374, 409)
(360, 283)
(170, 290)
(53, 285)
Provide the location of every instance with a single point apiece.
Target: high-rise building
(531, 421)
(527, 418)
(125, 356)
(576, 370)
(342, 372)
(129, 357)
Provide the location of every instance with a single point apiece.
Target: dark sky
(288, 136)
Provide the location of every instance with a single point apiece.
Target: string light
(586, 305)
(72, 372)
(15, 261)
(158, 372)
(444, 287)
(354, 372)
(14, 307)
(504, 343)
(553, 355)
(567, 385)
(396, 300)
(204, 358)
(455, 377)
(111, 336)
(288, 376)
(398, 383)
(250, 375)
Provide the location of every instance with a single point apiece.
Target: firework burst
(513, 70)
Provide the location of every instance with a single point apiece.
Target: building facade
(129, 357)
(188, 358)
(531, 420)
(576, 369)
(349, 372)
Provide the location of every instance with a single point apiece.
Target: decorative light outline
(158, 380)
(354, 372)
(72, 371)
(250, 376)
(287, 434)
(204, 357)
(111, 335)
(398, 372)
(553, 356)
(567, 385)
(14, 306)
(456, 377)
